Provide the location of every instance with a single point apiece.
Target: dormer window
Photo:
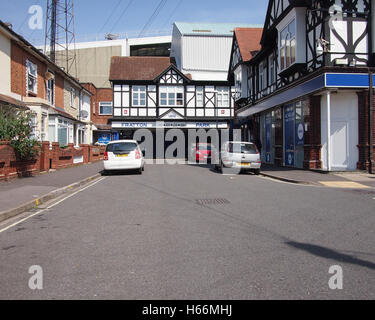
(288, 45)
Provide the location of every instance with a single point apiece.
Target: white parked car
(243, 156)
(123, 155)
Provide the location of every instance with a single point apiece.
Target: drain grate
(217, 201)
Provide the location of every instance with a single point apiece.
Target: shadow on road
(119, 173)
(331, 254)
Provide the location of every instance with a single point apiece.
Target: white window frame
(271, 70)
(262, 76)
(238, 83)
(52, 126)
(30, 75)
(43, 122)
(33, 124)
(199, 96)
(172, 93)
(137, 91)
(250, 83)
(63, 124)
(105, 104)
(50, 89)
(72, 97)
(287, 59)
(222, 97)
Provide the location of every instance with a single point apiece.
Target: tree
(15, 126)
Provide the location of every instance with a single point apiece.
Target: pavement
(19, 195)
(188, 232)
(349, 180)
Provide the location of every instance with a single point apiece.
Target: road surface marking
(52, 205)
(344, 184)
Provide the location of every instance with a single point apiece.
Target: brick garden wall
(49, 158)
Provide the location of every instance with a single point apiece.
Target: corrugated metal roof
(212, 29)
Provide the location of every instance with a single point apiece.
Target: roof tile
(137, 68)
(248, 40)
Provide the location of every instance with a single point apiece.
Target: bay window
(62, 133)
(171, 96)
(288, 45)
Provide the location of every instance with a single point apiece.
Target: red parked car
(204, 152)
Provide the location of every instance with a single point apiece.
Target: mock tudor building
(150, 92)
(246, 43)
(308, 87)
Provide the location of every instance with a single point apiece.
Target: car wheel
(257, 171)
(105, 173)
(143, 168)
(221, 167)
(140, 171)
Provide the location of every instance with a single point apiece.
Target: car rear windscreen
(242, 148)
(204, 147)
(121, 147)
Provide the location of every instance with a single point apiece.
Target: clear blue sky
(91, 15)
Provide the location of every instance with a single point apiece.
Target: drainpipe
(371, 125)
(371, 91)
(372, 30)
(328, 131)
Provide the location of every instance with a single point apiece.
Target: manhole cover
(217, 201)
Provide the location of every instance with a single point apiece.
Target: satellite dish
(83, 114)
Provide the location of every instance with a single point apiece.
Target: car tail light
(106, 155)
(137, 154)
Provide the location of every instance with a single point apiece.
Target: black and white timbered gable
(301, 37)
(165, 93)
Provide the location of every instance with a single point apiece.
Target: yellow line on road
(344, 184)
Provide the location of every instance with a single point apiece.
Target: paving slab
(353, 180)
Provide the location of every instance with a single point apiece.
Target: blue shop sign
(300, 134)
(104, 137)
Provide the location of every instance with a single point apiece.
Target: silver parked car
(242, 156)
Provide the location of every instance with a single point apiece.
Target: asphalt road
(186, 232)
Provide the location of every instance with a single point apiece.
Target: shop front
(159, 137)
(323, 127)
